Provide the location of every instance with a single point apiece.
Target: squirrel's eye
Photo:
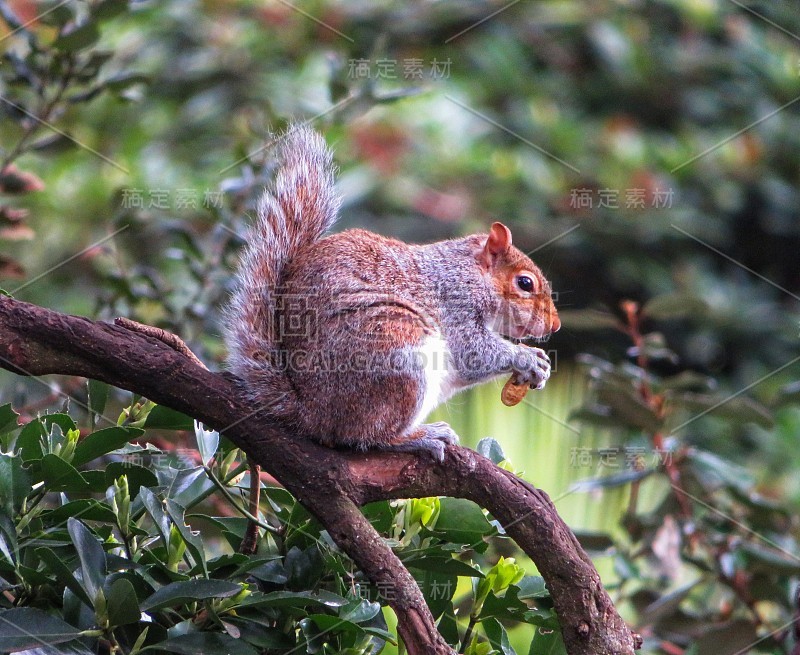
(525, 283)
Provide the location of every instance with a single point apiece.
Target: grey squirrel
(353, 339)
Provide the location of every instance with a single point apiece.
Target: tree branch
(329, 483)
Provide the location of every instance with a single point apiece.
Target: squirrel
(354, 338)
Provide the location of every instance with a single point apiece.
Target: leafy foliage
(645, 150)
(107, 538)
(714, 563)
(59, 67)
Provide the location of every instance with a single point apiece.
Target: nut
(513, 393)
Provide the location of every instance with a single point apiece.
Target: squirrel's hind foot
(431, 438)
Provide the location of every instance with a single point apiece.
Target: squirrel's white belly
(433, 357)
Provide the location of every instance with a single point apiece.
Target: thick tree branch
(331, 484)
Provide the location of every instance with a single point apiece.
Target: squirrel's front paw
(531, 367)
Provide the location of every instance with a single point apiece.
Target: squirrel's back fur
(299, 207)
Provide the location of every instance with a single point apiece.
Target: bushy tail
(297, 210)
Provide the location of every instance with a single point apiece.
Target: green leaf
(193, 540)
(448, 625)
(740, 408)
(59, 475)
(587, 319)
(788, 394)
(507, 607)
(737, 636)
(673, 305)
(98, 395)
(491, 449)
(207, 442)
(31, 436)
(609, 481)
(28, 628)
(438, 589)
(295, 599)
(267, 638)
(52, 144)
(103, 441)
(203, 643)
(56, 13)
(496, 594)
(117, 84)
(138, 476)
(56, 566)
(328, 624)
(360, 611)
(78, 37)
(713, 471)
(601, 416)
(462, 521)
(164, 418)
(497, 636)
(123, 608)
(445, 565)
(547, 642)
(273, 572)
(594, 541)
(667, 605)
(188, 484)
(155, 509)
(89, 70)
(313, 636)
(688, 381)
(74, 647)
(8, 539)
(654, 347)
(379, 513)
(532, 586)
(109, 9)
(32, 576)
(15, 483)
(176, 594)
(91, 555)
(8, 418)
(769, 560)
(626, 403)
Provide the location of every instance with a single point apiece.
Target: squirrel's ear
(498, 243)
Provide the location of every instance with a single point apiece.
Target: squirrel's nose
(555, 325)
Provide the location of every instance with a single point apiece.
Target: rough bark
(331, 484)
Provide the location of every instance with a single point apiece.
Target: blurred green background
(639, 149)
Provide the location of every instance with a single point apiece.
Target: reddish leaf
(11, 269)
(13, 180)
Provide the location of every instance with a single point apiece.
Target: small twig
(224, 491)
(473, 620)
(655, 402)
(172, 340)
(249, 544)
(42, 116)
